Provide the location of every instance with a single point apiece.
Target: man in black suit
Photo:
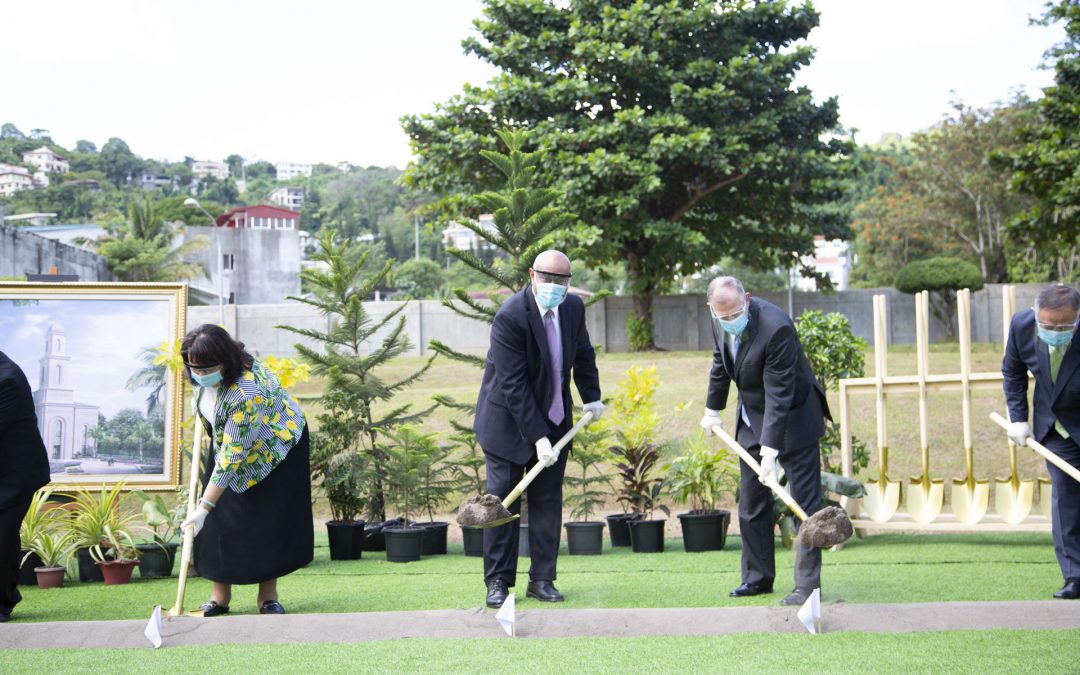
(1041, 341)
(524, 406)
(781, 416)
(24, 467)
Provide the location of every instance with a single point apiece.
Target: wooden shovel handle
(1038, 447)
(538, 467)
(189, 533)
(756, 468)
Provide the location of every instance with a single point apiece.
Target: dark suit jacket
(1026, 352)
(24, 463)
(511, 411)
(783, 399)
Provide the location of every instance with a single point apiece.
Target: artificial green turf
(880, 569)
(998, 651)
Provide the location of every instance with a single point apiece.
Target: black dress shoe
(271, 607)
(1070, 591)
(544, 591)
(211, 608)
(4, 618)
(746, 590)
(496, 593)
(797, 597)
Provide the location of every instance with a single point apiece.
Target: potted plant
(52, 548)
(118, 559)
(435, 485)
(404, 543)
(158, 557)
(698, 478)
(469, 468)
(92, 513)
(636, 453)
(584, 536)
(39, 518)
(338, 465)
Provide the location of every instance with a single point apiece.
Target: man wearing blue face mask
(538, 341)
(780, 415)
(1041, 340)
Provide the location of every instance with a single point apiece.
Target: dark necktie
(555, 411)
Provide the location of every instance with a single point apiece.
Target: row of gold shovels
(1013, 497)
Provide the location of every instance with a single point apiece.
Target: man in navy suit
(537, 339)
(24, 467)
(1041, 341)
(780, 416)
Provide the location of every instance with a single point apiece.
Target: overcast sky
(323, 81)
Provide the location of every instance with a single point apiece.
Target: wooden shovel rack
(965, 518)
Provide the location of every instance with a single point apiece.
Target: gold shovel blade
(924, 502)
(881, 500)
(970, 500)
(497, 522)
(1013, 505)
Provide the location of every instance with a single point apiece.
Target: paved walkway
(543, 623)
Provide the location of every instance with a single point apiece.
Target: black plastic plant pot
(88, 571)
(705, 530)
(373, 539)
(435, 537)
(647, 536)
(346, 539)
(157, 561)
(585, 538)
(473, 538)
(619, 528)
(27, 576)
(523, 542)
(404, 544)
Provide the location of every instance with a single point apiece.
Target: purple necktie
(555, 412)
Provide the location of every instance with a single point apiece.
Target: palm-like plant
(700, 475)
(95, 513)
(38, 519)
(53, 548)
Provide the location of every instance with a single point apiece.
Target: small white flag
(506, 617)
(153, 627)
(810, 612)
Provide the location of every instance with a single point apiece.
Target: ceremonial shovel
(1012, 496)
(925, 495)
(828, 527)
(189, 533)
(970, 497)
(488, 511)
(882, 495)
(1038, 447)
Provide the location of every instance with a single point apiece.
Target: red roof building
(261, 217)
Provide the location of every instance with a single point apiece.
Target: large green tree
(674, 128)
(1044, 167)
(141, 247)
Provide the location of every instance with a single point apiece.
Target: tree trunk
(639, 326)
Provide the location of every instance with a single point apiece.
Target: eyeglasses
(552, 277)
(202, 370)
(1058, 327)
(728, 317)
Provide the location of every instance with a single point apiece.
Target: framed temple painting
(106, 411)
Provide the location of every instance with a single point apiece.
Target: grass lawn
(999, 651)
(880, 569)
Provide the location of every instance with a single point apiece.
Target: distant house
(46, 160)
(288, 197)
(261, 217)
(290, 170)
(148, 180)
(831, 257)
(465, 239)
(218, 170)
(14, 179)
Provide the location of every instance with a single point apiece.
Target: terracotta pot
(117, 571)
(50, 577)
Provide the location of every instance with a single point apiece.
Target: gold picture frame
(106, 412)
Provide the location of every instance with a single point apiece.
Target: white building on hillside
(465, 239)
(831, 257)
(290, 170)
(46, 160)
(288, 197)
(218, 170)
(14, 179)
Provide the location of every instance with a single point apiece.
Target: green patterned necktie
(1056, 356)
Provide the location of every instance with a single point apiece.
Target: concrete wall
(682, 321)
(266, 263)
(23, 252)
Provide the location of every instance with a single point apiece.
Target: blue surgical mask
(550, 296)
(209, 380)
(736, 326)
(1055, 338)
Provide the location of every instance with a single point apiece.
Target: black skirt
(264, 532)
